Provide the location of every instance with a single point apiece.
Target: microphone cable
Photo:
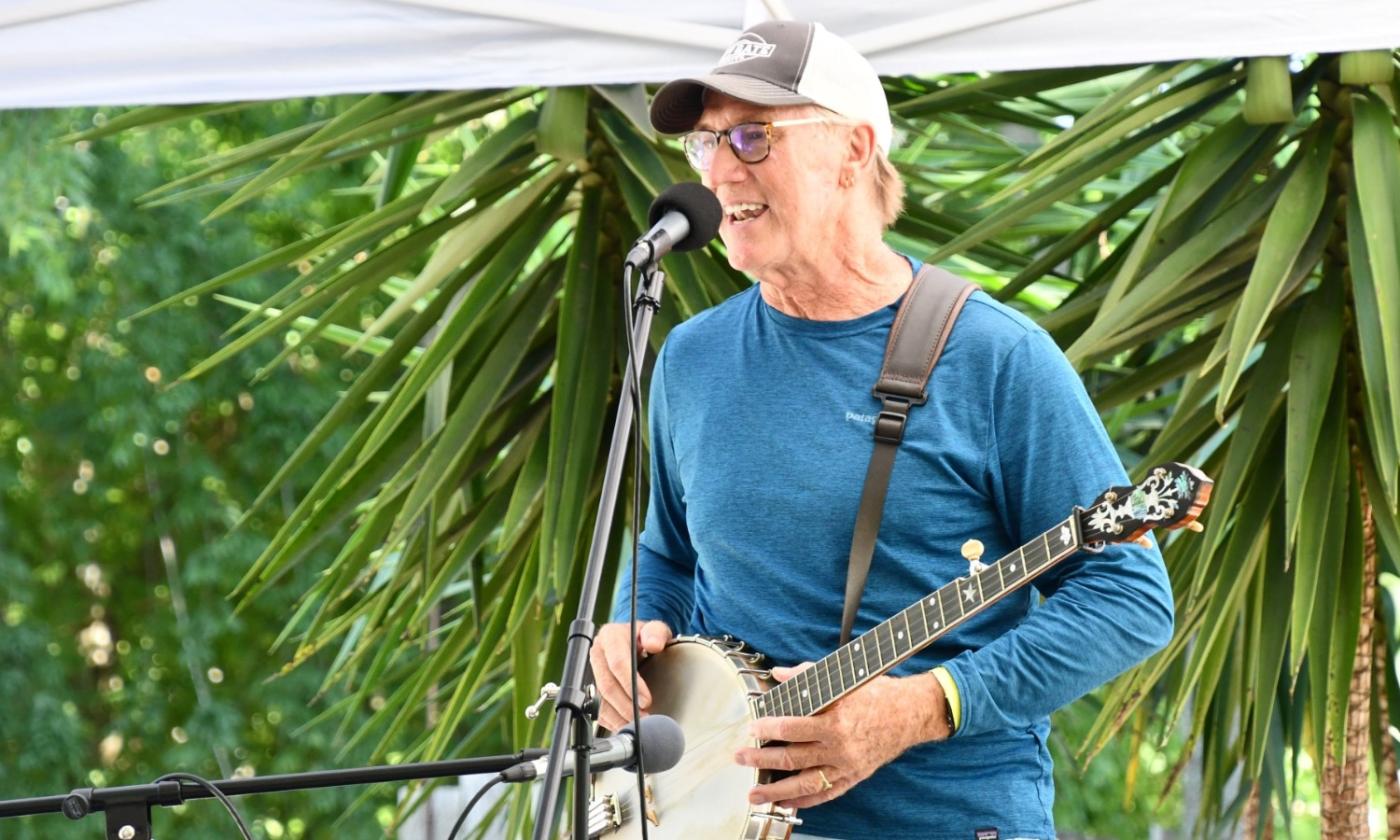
(213, 791)
(462, 817)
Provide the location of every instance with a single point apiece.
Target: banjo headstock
(1171, 496)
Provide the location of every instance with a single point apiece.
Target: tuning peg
(1196, 526)
(972, 553)
(1143, 541)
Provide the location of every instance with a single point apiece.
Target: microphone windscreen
(697, 204)
(660, 740)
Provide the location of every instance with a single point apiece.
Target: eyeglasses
(751, 142)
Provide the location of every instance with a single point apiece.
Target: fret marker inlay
(968, 594)
(1064, 535)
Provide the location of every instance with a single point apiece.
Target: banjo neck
(917, 626)
(1172, 495)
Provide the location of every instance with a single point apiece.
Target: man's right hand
(612, 668)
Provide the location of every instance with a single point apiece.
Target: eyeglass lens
(749, 141)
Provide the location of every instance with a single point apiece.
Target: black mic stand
(573, 706)
(128, 808)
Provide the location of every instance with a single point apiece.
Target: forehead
(722, 111)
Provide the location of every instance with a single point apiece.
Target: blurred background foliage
(120, 651)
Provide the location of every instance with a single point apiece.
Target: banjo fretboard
(916, 626)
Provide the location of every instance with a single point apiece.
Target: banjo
(714, 687)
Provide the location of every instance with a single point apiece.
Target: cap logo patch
(748, 46)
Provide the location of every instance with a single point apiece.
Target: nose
(725, 168)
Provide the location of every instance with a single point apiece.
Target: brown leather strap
(917, 338)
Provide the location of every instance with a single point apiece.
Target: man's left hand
(843, 745)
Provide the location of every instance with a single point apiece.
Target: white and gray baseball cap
(783, 63)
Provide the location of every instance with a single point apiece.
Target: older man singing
(760, 417)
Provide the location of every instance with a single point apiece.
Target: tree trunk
(1345, 794)
(1389, 770)
(1251, 818)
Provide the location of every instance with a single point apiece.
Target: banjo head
(705, 685)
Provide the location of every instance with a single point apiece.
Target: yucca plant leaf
(1069, 181)
(148, 116)
(1268, 94)
(1269, 640)
(466, 419)
(403, 157)
(334, 333)
(1149, 377)
(403, 119)
(493, 150)
(1292, 217)
(965, 93)
(631, 102)
(1259, 417)
(1152, 78)
(384, 366)
(1114, 129)
(1347, 611)
(563, 127)
(1209, 164)
(477, 234)
(587, 326)
(277, 258)
(488, 279)
(1164, 282)
(297, 159)
(1376, 155)
(1310, 389)
(1311, 553)
(221, 163)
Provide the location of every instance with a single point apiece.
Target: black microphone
(684, 217)
(661, 741)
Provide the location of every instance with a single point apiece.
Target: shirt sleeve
(666, 558)
(1103, 612)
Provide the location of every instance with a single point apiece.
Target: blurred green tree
(118, 491)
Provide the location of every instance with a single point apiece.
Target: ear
(860, 152)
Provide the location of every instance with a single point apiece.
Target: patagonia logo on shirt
(986, 834)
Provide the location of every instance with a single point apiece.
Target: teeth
(744, 211)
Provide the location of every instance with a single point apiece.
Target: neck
(837, 284)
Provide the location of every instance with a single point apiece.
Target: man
(761, 418)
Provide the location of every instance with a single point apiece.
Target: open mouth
(738, 214)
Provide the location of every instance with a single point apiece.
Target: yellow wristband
(950, 692)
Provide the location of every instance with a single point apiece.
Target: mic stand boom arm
(128, 808)
(571, 706)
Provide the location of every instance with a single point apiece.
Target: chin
(743, 255)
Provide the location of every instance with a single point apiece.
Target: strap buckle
(890, 422)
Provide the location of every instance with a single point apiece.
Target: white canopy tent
(97, 52)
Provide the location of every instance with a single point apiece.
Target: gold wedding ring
(826, 783)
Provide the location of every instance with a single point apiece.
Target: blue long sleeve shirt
(761, 430)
